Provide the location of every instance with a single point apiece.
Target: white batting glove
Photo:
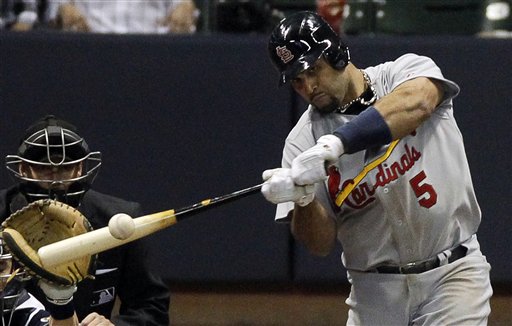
(310, 166)
(57, 294)
(280, 188)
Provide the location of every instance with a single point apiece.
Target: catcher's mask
(299, 40)
(12, 279)
(53, 146)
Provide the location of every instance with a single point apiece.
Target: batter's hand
(310, 166)
(280, 188)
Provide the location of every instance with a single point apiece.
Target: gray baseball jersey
(418, 202)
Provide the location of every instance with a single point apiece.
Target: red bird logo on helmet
(285, 54)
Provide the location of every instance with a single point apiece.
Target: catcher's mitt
(41, 223)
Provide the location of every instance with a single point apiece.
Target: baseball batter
(377, 161)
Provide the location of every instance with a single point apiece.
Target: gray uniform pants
(452, 294)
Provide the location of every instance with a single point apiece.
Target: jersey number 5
(424, 191)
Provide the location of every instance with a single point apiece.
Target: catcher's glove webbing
(41, 223)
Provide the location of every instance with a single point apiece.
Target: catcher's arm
(59, 303)
(61, 306)
(41, 223)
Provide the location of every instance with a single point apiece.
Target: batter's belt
(423, 266)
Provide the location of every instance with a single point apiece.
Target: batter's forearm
(409, 105)
(394, 116)
(314, 227)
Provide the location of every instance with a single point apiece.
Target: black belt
(420, 267)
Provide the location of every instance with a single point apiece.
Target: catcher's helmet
(299, 40)
(53, 144)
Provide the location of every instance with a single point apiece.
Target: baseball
(121, 226)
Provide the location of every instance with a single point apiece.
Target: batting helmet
(299, 40)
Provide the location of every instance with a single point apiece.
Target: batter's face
(322, 86)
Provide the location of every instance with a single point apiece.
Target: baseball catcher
(53, 170)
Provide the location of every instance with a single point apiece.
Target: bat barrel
(99, 240)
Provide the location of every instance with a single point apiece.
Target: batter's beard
(329, 108)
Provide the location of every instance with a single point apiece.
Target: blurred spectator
(498, 19)
(332, 12)
(20, 15)
(121, 16)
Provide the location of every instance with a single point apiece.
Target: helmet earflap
(338, 58)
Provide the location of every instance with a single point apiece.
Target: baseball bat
(99, 240)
